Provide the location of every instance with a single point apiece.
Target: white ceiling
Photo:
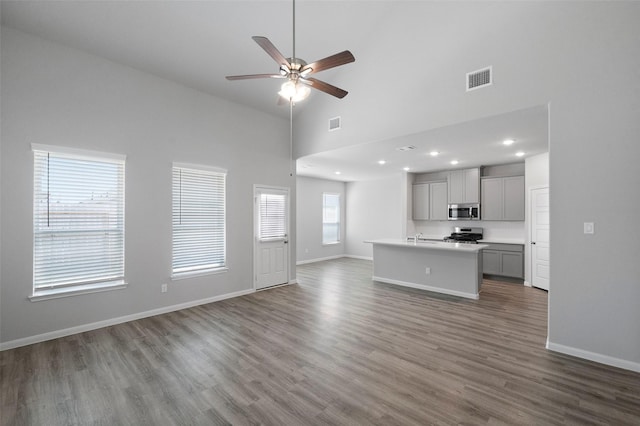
(473, 144)
(198, 43)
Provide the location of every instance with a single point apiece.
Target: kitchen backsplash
(495, 230)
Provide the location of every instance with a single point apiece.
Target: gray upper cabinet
(438, 209)
(456, 186)
(421, 201)
(430, 201)
(514, 198)
(464, 186)
(492, 199)
(502, 198)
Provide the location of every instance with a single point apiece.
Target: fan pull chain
(291, 162)
(293, 61)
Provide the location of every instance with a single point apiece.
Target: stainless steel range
(464, 235)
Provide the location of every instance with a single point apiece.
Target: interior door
(271, 252)
(540, 238)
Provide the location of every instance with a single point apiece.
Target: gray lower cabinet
(430, 201)
(503, 259)
(502, 198)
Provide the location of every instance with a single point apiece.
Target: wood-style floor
(335, 349)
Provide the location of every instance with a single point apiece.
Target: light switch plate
(589, 228)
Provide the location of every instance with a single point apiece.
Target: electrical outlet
(163, 288)
(427, 271)
(589, 228)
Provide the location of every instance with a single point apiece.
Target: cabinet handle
(533, 243)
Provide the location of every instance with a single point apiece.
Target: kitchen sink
(422, 240)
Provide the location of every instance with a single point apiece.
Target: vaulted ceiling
(198, 43)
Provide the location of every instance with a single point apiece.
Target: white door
(271, 251)
(540, 238)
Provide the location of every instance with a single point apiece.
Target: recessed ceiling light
(406, 169)
(382, 162)
(508, 142)
(338, 173)
(454, 162)
(434, 153)
(519, 153)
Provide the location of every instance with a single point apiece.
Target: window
(78, 221)
(272, 216)
(198, 220)
(330, 218)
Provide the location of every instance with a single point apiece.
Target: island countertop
(430, 245)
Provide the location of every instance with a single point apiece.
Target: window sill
(193, 274)
(332, 244)
(58, 293)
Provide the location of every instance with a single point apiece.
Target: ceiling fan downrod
(293, 56)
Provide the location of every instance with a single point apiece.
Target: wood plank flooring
(335, 349)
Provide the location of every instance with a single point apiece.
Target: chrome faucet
(417, 237)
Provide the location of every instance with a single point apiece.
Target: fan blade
(328, 62)
(271, 50)
(250, 76)
(325, 87)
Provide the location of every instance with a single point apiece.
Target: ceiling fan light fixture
(294, 92)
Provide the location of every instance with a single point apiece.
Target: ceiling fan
(298, 72)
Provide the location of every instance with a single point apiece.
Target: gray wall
(537, 170)
(583, 58)
(374, 210)
(309, 217)
(60, 96)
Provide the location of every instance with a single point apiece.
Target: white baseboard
(527, 284)
(319, 259)
(114, 321)
(593, 356)
(293, 281)
(428, 288)
(353, 256)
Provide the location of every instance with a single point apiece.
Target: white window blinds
(198, 220)
(78, 220)
(330, 218)
(272, 216)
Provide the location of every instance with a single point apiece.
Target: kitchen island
(443, 267)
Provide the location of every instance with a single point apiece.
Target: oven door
(464, 212)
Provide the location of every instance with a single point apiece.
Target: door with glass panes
(271, 236)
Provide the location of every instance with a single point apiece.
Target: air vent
(479, 78)
(405, 148)
(334, 124)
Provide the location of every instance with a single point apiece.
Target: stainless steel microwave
(464, 211)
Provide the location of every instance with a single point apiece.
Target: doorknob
(533, 243)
